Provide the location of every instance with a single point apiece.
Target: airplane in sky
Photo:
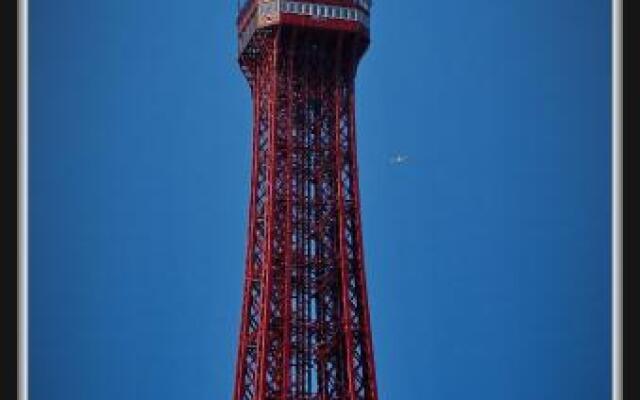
(398, 159)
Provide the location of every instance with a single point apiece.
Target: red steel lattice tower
(305, 330)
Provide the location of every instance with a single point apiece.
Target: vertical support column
(267, 272)
(345, 314)
(288, 258)
(322, 127)
(371, 392)
(241, 367)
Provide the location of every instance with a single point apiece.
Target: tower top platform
(336, 15)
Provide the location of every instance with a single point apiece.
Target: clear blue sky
(487, 253)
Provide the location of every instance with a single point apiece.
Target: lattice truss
(305, 331)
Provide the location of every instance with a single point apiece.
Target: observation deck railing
(245, 5)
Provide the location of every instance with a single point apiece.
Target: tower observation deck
(305, 330)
